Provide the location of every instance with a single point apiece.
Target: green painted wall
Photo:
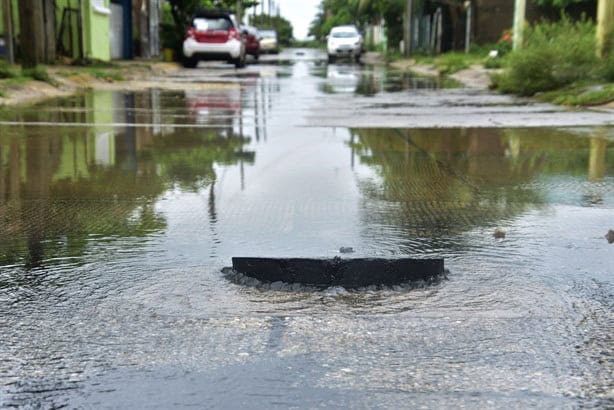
(96, 23)
(97, 36)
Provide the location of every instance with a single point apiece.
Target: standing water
(118, 211)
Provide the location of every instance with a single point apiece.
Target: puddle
(118, 211)
(372, 80)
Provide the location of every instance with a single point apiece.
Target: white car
(214, 35)
(344, 41)
(269, 42)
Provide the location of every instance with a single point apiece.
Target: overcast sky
(300, 13)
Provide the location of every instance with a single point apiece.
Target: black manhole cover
(349, 273)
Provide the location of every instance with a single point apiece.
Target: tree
(182, 10)
(562, 4)
(30, 15)
(360, 13)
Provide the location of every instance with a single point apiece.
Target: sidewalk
(121, 75)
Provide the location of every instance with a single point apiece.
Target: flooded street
(118, 211)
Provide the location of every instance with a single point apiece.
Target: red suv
(214, 35)
(253, 41)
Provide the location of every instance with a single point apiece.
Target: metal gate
(117, 31)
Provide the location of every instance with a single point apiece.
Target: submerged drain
(349, 273)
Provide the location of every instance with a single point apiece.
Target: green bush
(38, 73)
(608, 69)
(6, 71)
(554, 55)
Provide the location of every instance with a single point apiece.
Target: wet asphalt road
(118, 211)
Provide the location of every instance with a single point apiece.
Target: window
(204, 24)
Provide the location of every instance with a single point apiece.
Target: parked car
(253, 41)
(214, 35)
(268, 41)
(344, 41)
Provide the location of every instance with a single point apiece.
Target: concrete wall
(492, 17)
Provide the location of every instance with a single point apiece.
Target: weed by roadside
(452, 62)
(39, 73)
(107, 75)
(554, 56)
(580, 95)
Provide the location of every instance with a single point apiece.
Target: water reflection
(61, 185)
(441, 182)
(113, 233)
(371, 80)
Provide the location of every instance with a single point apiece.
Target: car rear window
(345, 34)
(204, 24)
(268, 34)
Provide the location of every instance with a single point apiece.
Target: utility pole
(32, 39)
(239, 11)
(469, 10)
(605, 27)
(520, 11)
(407, 28)
(8, 31)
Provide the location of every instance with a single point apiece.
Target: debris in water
(346, 249)
(499, 233)
(610, 236)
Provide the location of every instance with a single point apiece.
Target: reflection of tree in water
(445, 181)
(189, 160)
(55, 195)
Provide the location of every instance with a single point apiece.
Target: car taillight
(233, 33)
(191, 33)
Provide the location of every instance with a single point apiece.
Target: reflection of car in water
(342, 78)
(217, 108)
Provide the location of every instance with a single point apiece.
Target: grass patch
(2, 93)
(96, 64)
(581, 95)
(16, 81)
(39, 73)
(452, 62)
(106, 75)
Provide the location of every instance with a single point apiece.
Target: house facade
(96, 29)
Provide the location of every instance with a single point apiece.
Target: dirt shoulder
(67, 80)
(476, 76)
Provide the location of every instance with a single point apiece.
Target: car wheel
(331, 59)
(190, 62)
(357, 58)
(256, 56)
(240, 61)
